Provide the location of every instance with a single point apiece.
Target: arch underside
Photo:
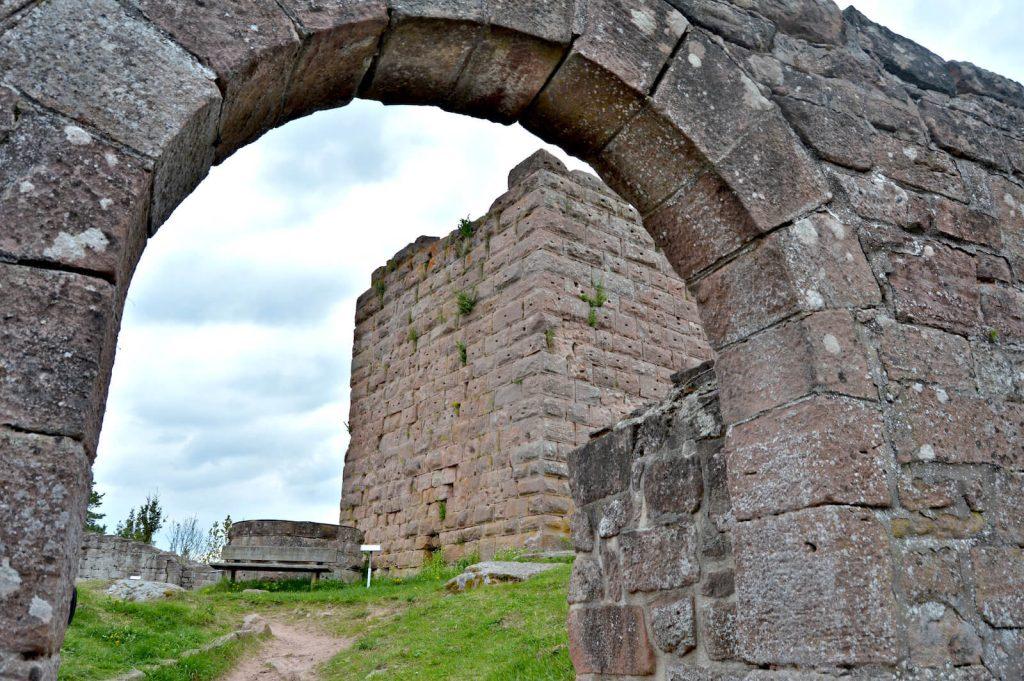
(847, 209)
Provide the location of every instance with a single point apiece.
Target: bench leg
(315, 580)
(232, 576)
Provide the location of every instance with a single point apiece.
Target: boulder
(496, 573)
(139, 590)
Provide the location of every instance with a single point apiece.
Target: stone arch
(111, 111)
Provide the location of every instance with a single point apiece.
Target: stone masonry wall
(461, 423)
(276, 534)
(109, 557)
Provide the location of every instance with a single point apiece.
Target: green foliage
(456, 407)
(518, 381)
(92, 514)
(993, 335)
(442, 510)
(471, 558)
(414, 337)
(466, 228)
(466, 301)
(381, 288)
(217, 539)
(461, 347)
(549, 339)
(392, 265)
(144, 522)
(595, 301)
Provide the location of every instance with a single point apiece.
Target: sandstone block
(936, 286)
(730, 21)
(814, 588)
(820, 353)
(837, 136)
(609, 640)
(823, 450)
(602, 467)
(918, 353)
(55, 350)
(673, 484)
(698, 227)
(586, 584)
(718, 630)
(999, 575)
(613, 65)
(659, 558)
(140, 89)
(673, 625)
(70, 198)
(340, 39)
(44, 485)
(815, 264)
(902, 56)
(250, 45)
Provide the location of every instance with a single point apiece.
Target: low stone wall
(110, 557)
(289, 533)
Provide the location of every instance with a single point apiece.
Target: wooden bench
(300, 559)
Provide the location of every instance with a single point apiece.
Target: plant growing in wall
(595, 302)
(456, 408)
(466, 229)
(442, 510)
(461, 347)
(414, 337)
(549, 339)
(381, 288)
(466, 301)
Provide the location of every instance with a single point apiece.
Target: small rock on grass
(496, 573)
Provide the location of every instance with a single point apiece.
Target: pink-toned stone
(999, 575)
(823, 450)
(610, 640)
(814, 587)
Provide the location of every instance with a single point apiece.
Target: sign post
(369, 550)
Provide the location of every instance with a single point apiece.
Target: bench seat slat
(270, 567)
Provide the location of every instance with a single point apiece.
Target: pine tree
(143, 523)
(92, 514)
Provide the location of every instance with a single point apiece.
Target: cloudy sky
(230, 389)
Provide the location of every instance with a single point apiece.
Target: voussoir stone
(55, 350)
(613, 65)
(69, 198)
(250, 44)
(340, 38)
(127, 81)
(814, 587)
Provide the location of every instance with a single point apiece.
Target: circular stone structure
(846, 207)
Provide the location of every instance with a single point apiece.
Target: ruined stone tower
(461, 420)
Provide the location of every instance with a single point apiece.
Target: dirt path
(293, 654)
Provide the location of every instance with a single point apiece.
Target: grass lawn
(401, 629)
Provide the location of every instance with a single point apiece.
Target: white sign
(370, 547)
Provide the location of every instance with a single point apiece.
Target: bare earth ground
(293, 654)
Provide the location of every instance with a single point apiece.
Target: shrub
(595, 301)
(466, 229)
(466, 301)
(549, 339)
(463, 358)
(414, 336)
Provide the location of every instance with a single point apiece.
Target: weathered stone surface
(140, 88)
(43, 491)
(820, 353)
(250, 45)
(820, 451)
(931, 424)
(140, 590)
(658, 558)
(718, 630)
(68, 198)
(836, 136)
(815, 588)
(340, 39)
(918, 353)
(938, 636)
(931, 575)
(650, 160)
(1002, 311)
(815, 264)
(728, 20)
(901, 56)
(496, 572)
(999, 572)
(673, 625)
(978, 81)
(818, 21)
(602, 467)
(673, 484)
(701, 225)
(609, 640)
(54, 352)
(772, 174)
(585, 584)
(612, 66)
